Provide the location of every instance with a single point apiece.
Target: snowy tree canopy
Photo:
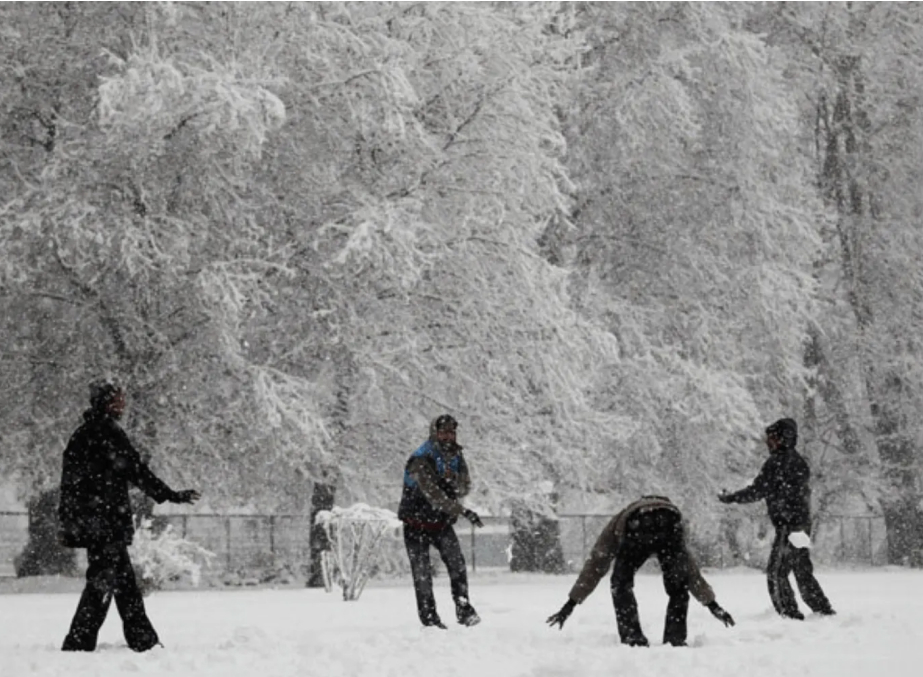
(614, 240)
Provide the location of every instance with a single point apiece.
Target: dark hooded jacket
(783, 481)
(99, 463)
(435, 479)
(606, 548)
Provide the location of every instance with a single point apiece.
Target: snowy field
(276, 633)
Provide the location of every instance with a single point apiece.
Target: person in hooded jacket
(94, 512)
(435, 479)
(784, 483)
(650, 526)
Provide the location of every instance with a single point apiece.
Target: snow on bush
(355, 535)
(165, 556)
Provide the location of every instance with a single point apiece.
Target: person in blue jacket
(435, 479)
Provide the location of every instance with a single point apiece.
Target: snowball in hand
(799, 539)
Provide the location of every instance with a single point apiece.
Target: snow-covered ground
(276, 633)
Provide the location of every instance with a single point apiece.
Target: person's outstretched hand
(186, 496)
(718, 612)
(472, 517)
(562, 615)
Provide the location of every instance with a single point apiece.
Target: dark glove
(721, 614)
(472, 517)
(559, 618)
(185, 496)
(725, 497)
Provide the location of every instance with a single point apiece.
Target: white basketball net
(355, 534)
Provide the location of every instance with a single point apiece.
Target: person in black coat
(784, 483)
(95, 513)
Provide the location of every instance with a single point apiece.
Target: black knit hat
(445, 422)
(786, 430)
(101, 393)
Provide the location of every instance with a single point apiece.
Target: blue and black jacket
(434, 480)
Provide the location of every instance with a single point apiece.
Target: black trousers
(418, 542)
(110, 574)
(785, 559)
(657, 532)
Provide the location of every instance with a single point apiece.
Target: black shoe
(71, 647)
(434, 623)
(466, 615)
(141, 648)
(679, 642)
(826, 612)
(636, 641)
(143, 641)
(71, 644)
(794, 615)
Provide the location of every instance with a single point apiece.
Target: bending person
(651, 526)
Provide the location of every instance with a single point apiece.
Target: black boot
(466, 614)
(71, 644)
(635, 640)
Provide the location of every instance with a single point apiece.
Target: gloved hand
(559, 618)
(725, 497)
(472, 517)
(185, 496)
(721, 614)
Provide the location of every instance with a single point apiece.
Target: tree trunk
(902, 516)
(321, 499)
(843, 135)
(826, 385)
(325, 490)
(536, 542)
(43, 555)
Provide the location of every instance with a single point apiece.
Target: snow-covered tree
(696, 232)
(141, 223)
(856, 67)
(299, 232)
(429, 168)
